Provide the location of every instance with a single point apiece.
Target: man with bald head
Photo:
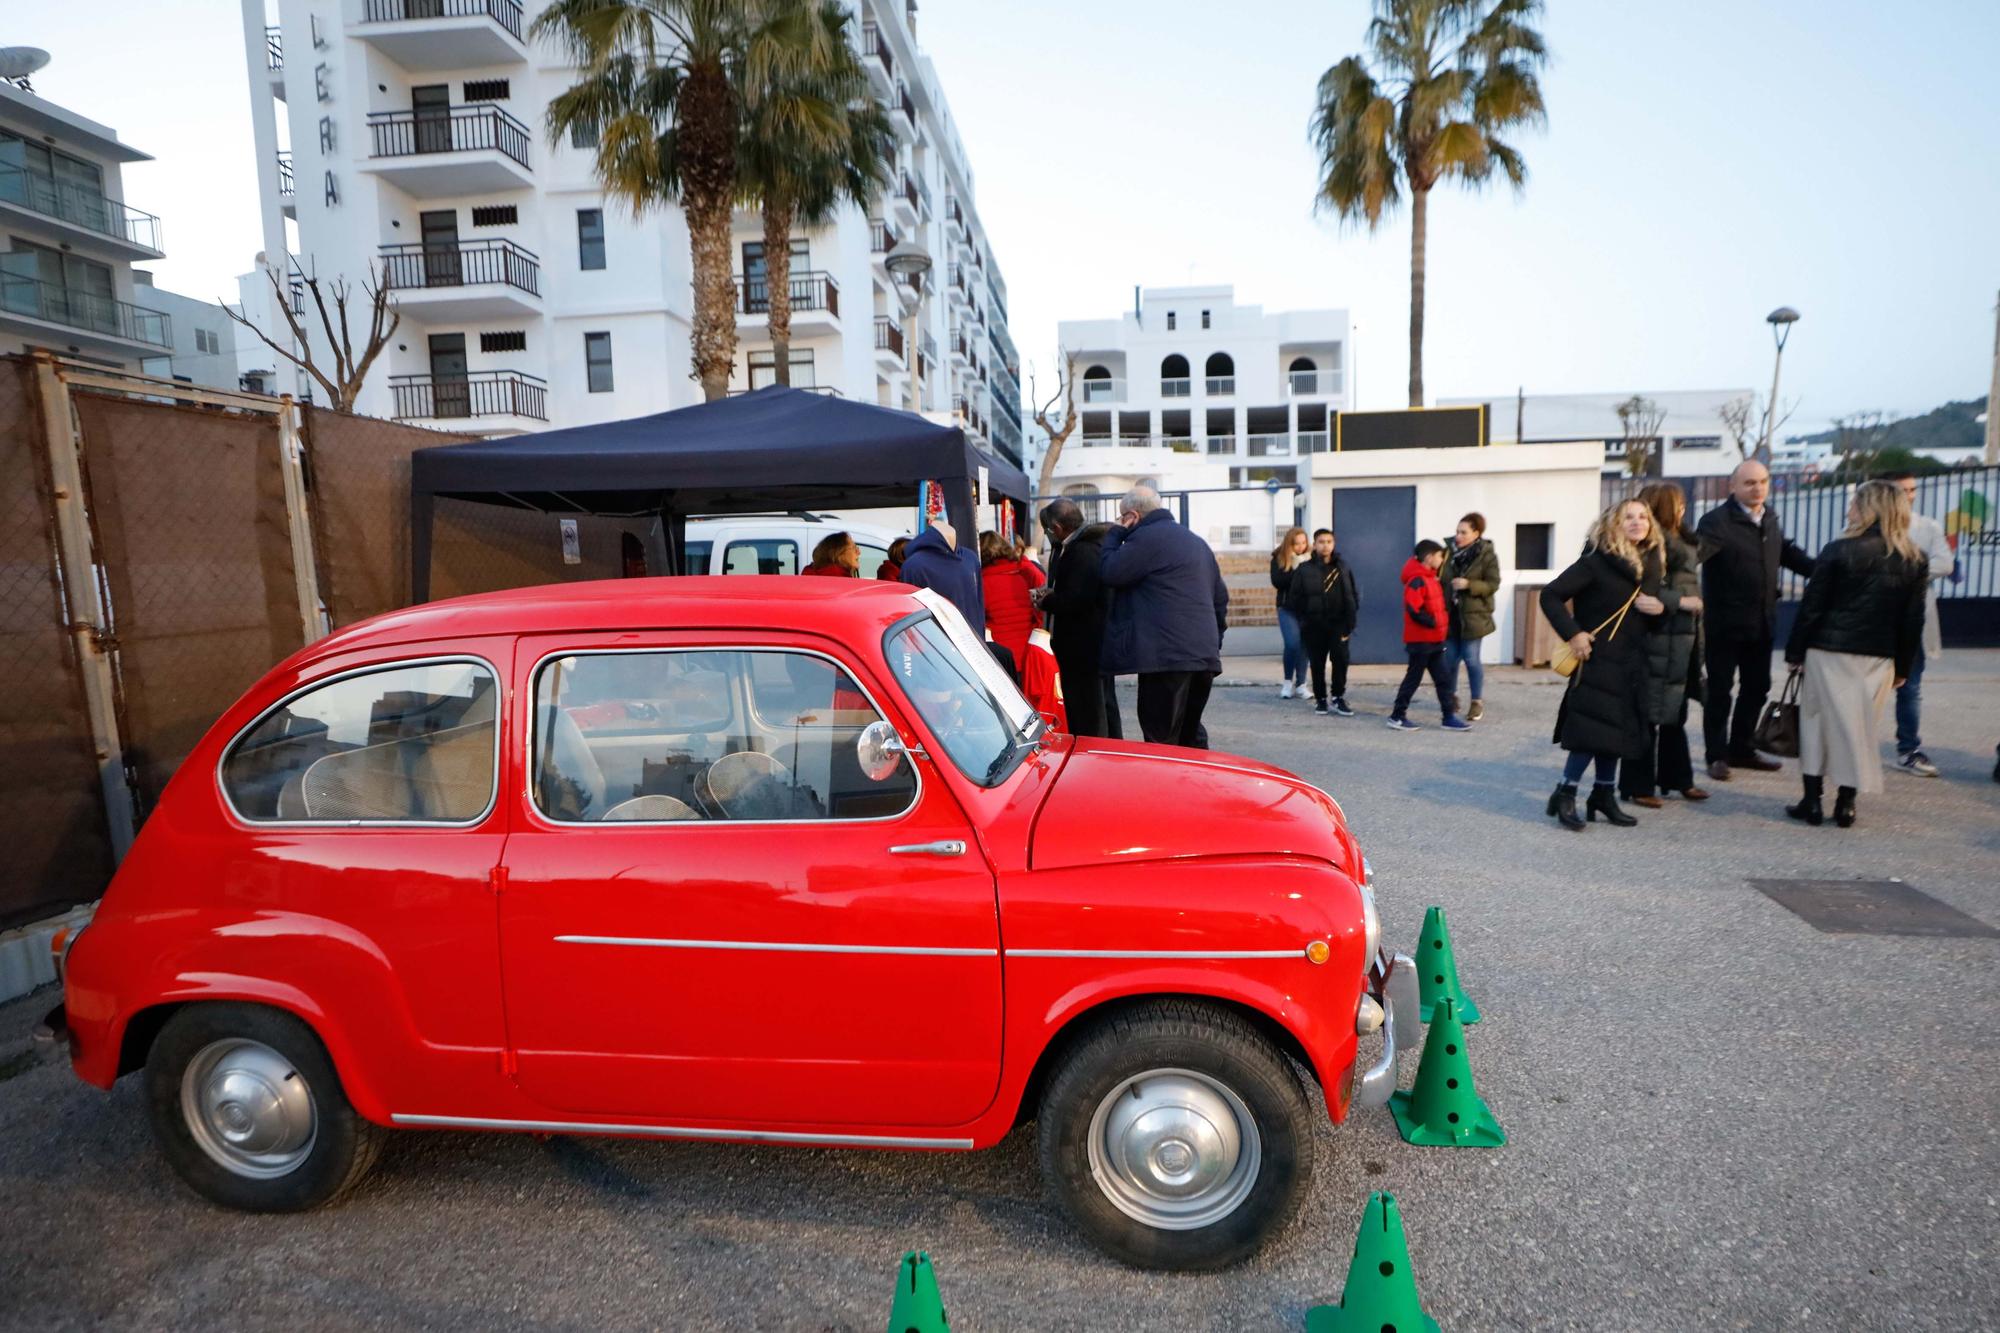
(1742, 548)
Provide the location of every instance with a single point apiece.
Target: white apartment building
(1697, 440)
(408, 137)
(1191, 391)
(68, 240)
(202, 350)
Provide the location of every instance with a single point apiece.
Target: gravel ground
(1717, 1117)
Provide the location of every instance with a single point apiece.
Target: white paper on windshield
(1019, 712)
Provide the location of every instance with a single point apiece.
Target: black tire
(343, 1145)
(1177, 1035)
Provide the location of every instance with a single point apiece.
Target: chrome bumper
(1393, 1010)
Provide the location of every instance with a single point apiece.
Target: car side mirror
(880, 751)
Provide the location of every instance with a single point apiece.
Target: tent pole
(421, 513)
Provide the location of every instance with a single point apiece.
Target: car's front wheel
(248, 1110)
(1176, 1135)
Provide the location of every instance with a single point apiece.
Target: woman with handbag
(1665, 764)
(1602, 719)
(1853, 642)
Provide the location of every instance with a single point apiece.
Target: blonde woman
(1855, 639)
(1288, 556)
(1603, 604)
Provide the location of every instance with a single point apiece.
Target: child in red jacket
(1424, 627)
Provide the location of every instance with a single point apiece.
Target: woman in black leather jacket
(1855, 638)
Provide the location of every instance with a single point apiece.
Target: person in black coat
(1077, 604)
(1324, 598)
(1741, 550)
(1167, 619)
(1673, 667)
(1611, 591)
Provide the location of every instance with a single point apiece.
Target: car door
(709, 914)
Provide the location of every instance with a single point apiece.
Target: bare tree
(343, 380)
(1641, 417)
(1744, 419)
(1858, 437)
(1058, 435)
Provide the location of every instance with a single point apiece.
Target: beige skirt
(1841, 704)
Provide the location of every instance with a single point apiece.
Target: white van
(775, 543)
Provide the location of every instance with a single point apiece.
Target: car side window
(720, 735)
(765, 555)
(407, 744)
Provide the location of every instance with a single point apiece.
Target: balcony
(466, 280)
(82, 216)
(1269, 446)
(1221, 446)
(873, 45)
(483, 394)
(1104, 391)
(888, 343)
(908, 105)
(427, 35)
(288, 187)
(903, 203)
(96, 325)
(1313, 383)
(1176, 388)
(881, 238)
(1221, 386)
(815, 300)
(463, 150)
(1314, 441)
(274, 62)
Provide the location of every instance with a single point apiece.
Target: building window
(583, 134)
(1170, 321)
(1533, 543)
(1698, 442)
(514, 341)
(1204, 319)
(207, 340)
(597, 361)
(495, 215)
(486, 90)
(590, 238)
(764, 368)
(1239, 535)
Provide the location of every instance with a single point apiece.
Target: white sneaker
(1285, 692)
(1919, 763)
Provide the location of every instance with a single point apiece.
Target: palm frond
(1508, 93)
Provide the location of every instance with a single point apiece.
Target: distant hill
(1953, 426)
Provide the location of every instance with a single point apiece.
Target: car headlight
(1371, 925)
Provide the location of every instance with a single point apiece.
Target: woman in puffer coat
(1005, 582)
(1672, 661)
(1471, 576)
(1602, 718)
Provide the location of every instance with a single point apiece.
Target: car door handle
(943, 847)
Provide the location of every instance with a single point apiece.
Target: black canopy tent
(772, 449)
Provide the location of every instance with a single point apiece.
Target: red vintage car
(775, 861)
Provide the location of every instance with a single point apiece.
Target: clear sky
(1704, 162)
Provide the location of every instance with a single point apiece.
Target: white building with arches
(1191, 391)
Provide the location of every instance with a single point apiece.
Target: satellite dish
(18, 62)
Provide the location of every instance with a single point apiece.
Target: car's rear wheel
(1176, 1135)
(248, 1110)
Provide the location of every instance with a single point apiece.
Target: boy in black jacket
(1327, 602)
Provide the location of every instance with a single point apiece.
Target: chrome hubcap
(248, 1108)
(1174, 1149)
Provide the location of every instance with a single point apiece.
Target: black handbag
(1778, 729)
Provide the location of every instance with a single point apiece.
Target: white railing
(1179, 388)
(1270, 446)
(1314, 441)
(1221, 385)
(1306, 383)
(1103, 391)
(1221, 444)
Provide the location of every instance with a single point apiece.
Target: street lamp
(1781, 321)
(910, 262)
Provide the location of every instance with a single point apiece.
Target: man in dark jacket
(1077, 602)
(1741, 549)
(1167, 620)
(935, 561)
(1327, 602)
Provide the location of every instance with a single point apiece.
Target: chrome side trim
(1401, 997)
(678, 1132)
(778, 946)
(1156, 953)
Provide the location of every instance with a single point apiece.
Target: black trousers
(1423, 657)
(1665, 765)
(1083, 697)
(1170, 706)
(1728, 737)
(1114, 726)
(1322, 644)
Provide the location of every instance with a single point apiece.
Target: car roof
(706, 601)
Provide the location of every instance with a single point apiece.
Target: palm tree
(810, 146)
(665, 86)
(1441, 80)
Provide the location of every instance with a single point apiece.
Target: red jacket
(1423, 603)
(1009, 615)
(830, 571)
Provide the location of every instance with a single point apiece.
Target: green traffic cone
(1437, 973)
(1441, 1109)
(918, 1308)
(1381, 1291)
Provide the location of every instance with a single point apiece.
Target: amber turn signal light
(1318, 951)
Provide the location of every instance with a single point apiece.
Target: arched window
(1097, 373)
(1220, 364)
(1174, 367)
(1304, 375)
(1099, 387)
(1302, 363)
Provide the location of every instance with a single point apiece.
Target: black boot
(1843, 807)
(1808, 807)
(1562, 806)
(1604, 801)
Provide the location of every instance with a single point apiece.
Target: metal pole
(1993, 396)
(1771, 407)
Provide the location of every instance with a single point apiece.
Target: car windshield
(960, 691)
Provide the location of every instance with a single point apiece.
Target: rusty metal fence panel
(52, 818)
(189, 509)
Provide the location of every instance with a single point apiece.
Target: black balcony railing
(20, 295)
(483, 393)
(459, 129)
(881, 240)
(78, 206)
(888, 337)
(274, 49)
(909, 106)
(504, 12)
(460, 264)
(809, 291)
(288, 185)
(910, 191)
(872, 43)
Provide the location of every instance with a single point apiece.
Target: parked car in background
(809, 870)
(780, 544)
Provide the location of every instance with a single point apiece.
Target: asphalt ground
(1717, 1116)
